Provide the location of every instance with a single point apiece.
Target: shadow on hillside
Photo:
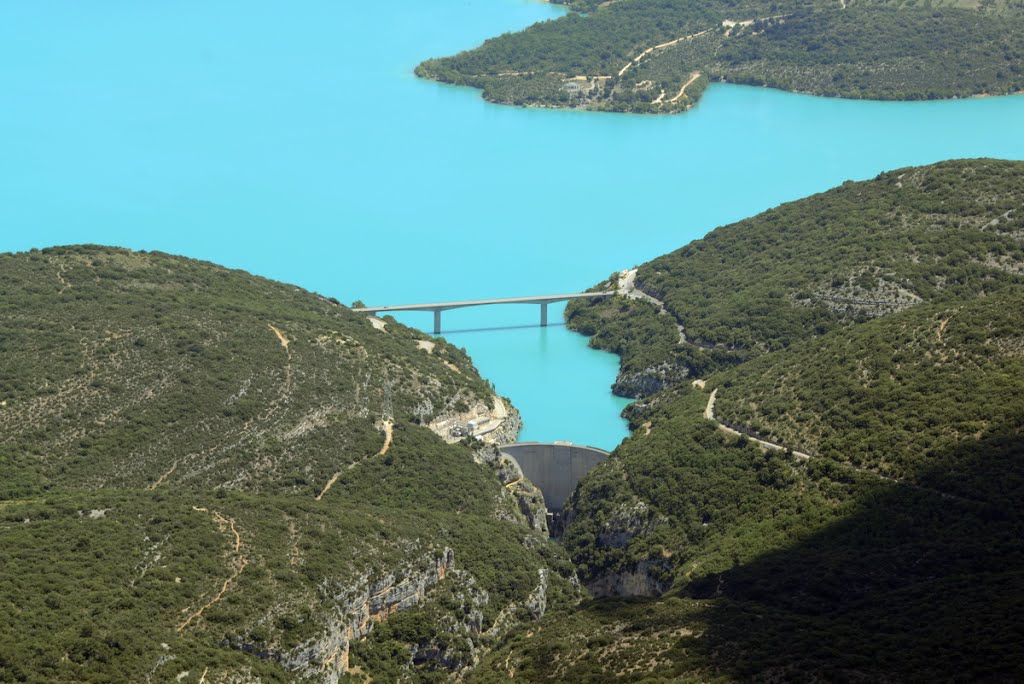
(914, 586)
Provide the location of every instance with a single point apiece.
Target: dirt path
(709, 414)
(239, 561)
(509, 668)
(388, 427)
(639, 58)
(160, 480)
(286, 386)
(682, 91)
(62, 268)
(627, 288)
(388, 434)
(709, 410)
(942, 328)
(327, 487)
(280, 336)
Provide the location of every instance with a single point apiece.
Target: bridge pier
(438, 307)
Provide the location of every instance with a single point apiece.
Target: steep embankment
(891, 547)
(207, 476)
(658, 55)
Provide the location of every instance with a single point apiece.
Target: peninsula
(657, 56)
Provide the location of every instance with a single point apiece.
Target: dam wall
(554, 467)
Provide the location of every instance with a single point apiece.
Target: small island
(658, 57)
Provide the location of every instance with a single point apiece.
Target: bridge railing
(438, 307)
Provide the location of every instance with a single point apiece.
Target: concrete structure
(438, 307)
(556, 467)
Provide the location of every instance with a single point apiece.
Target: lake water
(292, 140)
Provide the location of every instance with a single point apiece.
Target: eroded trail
(387, 427)
(62, 268)
(282, 338)
(639, 58)
(160, 480)
(238, 563)
(327, 487)
(682, 91)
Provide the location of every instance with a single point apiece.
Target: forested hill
(846, 503)
(891, 548)
(658, 55)
(208, 476)
(942, 233)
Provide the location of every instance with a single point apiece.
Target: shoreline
(540, 105)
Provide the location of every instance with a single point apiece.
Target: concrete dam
(555, 468)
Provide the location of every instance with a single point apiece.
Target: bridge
(554, 467)
(438, 307)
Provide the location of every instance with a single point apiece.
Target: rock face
(529, 499)
(643, 383)
(509, 429)
(531, 505)
(497, 424)
(628, 522)
(265, 448)
(355, 614)
(649, 578)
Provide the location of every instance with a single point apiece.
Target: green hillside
(208, 476)
(941, 233)
(657, 56)
(891, 394)
(877, 532)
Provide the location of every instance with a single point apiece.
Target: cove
(293, 141)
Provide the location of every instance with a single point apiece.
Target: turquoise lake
(292, 140)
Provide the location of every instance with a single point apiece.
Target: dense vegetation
(893, 393)
(659, 55)
(942, 233)
(193, 484)
(781, 569)
(882, 539)
(839, 498)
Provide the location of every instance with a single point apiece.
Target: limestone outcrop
(354, 613)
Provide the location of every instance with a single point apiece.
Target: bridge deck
(441, 306)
